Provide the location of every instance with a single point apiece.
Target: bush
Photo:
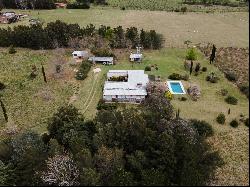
(245, 90)
(197, 67)
(191, 54)
(194, 92)
(183, 99)
(204, 69)
(231, 100)
(123, 8)
(147, 68)
(83, 70)
(221, 118)
(203, 128)
(231, 76)
(12, 50)
(223, 92)
(183, 9)
(234, 123)
(2, 86)
(212, 78)
(246, 122)
(106, 106)
(168, 95)
(175, 76)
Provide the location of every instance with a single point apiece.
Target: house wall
(122, 98)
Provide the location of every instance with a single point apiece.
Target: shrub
(212, 78)
(204, 69)
(223, 92)
(231, 76)
(106, 106)
(82, 73)
(246, 122)
(244, 89)
(183, 9)
(203, 128)
(2, 86)
(147, 68)
(183, 98)
(175, 76)
(12, 50)
(191, 54)
(197, 67)
(194, 92)
(234, 123)
(168, 95)
(221, 118)
(123, 8)
(231, 100)
(58, 68)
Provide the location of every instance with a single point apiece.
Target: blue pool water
(176, 87)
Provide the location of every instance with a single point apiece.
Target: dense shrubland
(60, 34)
(146, 145)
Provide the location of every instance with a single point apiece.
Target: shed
(135, 57)
(103, 60)
(79, 54)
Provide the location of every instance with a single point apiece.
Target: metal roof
(135, 55)
(130, 87)
(80, 53)
(101, 59)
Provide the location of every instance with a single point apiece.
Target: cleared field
(223, 29)
(30, 103)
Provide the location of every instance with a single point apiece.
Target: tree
(28, 156)
(5, 174)
(212, 56)
(44, 75)
(1, 5)
(132, 35)
(61, 170)
(4, 110)
(107, 162)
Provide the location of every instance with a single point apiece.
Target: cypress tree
(191, 67)
(212, 56)
(44, 75)
(4, 110)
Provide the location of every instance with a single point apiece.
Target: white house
(79, 54)
(131, 88)
(135, 57)
(103, 60)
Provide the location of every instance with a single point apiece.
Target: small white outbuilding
(79, 54)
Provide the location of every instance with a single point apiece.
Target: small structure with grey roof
(103, 60)
(135, 57)
(79, 54)
(131, 86)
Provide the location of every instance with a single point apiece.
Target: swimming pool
(176, 87)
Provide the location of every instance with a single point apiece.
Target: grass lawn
(223, 29)
(30, 103)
